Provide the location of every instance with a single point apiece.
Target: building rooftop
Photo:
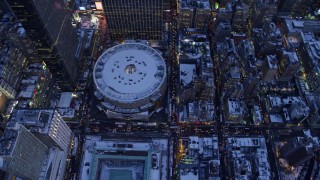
(272, 62)
(124, 158)
(244, 142)
(27, 91)
(276, 101)
(188, 175)
(240, 148)
(200, 4)
(39, 120)
(10, 24)
(129, 72)
(187, 73)
(9, 138)
(276, 118)
(65, 100)
(200, 150)
(235, 107)
(256, 115)
(66, 112)
(295, 25)
(292, 56)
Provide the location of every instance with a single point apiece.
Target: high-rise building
(48, 26)
(44, 144)
(21, 153)
(47, 125)
(193, 14)
(134, 19)
(35, 144)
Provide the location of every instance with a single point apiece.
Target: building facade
(134, 19)
(21, 153)
(47, 125)
(48, 25)
(13, 56)
(193, 14)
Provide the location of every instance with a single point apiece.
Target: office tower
(193, 14)
(46, 125)
(48, 25)
(134, 19)
(167, 4)
(185, 15)
(21, 153)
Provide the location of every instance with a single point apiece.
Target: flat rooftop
(187, 73)
(117, 174)
(38, 119)
(134, 159)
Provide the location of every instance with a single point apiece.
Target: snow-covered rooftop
(129, 72)
(38, 119)
(235, 107)
(187, 72)
(189, 176)
(153, 164)
(243, 166)
(66, 112)
(276, 118)
(244, 142)
(65, 100)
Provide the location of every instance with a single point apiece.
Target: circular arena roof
(129, 72)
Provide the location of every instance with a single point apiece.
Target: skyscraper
(48, 25)
(21, 153)
(47, 125)
(134, 19)
(193, 14)
(35, 140)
